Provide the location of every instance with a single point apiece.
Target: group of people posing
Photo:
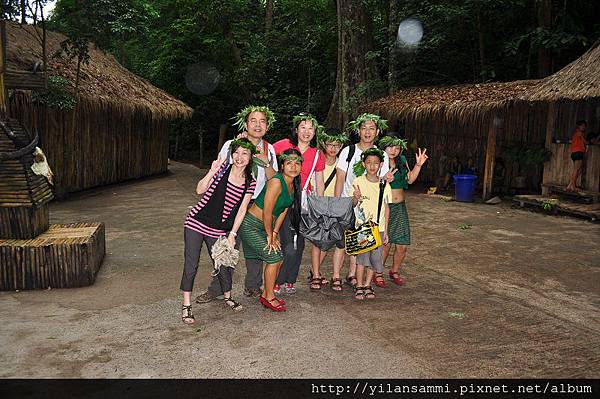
(252, 195)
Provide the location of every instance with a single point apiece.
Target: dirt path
(515, 295)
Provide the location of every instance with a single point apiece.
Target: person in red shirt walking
(578, 147)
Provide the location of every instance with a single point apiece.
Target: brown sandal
(315, 284)
(337, 284)
(186, 314)
(351, 281)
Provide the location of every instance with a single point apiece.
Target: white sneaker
(277, 289)
(289, 288)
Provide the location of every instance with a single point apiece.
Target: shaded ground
(515, 295)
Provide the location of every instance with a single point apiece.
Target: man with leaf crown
(368, 127)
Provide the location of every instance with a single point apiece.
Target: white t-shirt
(261, 178)
(350, 176)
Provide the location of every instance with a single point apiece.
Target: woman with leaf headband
(369, 127)
(304, 140)
(260, 229)
(226, 192)
(252, 122)
(330, 141)
(398, 228)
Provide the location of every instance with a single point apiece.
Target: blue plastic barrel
(464, 186)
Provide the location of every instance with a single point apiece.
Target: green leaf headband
(391, 141)
(305, 117)
(240, 117)
(381, 123)
(323, 137)
(244, 144)
(290, 157)
(359, 168)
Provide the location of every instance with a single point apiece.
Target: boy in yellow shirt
(366, 195)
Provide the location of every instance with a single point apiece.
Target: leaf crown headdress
(240, 117)
(305, 117)
(381, 123)
(359, 168)
(330, 136)
(244, 143)
(391, 141)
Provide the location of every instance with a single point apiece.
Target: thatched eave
(458, 101)
(580, 80)
(102, 79)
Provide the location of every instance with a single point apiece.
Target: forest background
(321, 56)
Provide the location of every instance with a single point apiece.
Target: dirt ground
(515, 295)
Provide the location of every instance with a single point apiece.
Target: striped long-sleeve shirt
(203, 218)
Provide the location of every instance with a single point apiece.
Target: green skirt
(399, 229)
(254, 240)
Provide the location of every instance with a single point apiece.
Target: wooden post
(222, 133)
(3, 96)
(490, 158)
(546, 176)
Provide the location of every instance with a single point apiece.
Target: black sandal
(337, 285)
(235, 306)
(369, 293)
(315, 284)
(359, 293)
(188, 314)
(351, 281)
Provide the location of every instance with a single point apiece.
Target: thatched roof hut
(578, 81)
(121, 124)
(570, 94)
(455, 124)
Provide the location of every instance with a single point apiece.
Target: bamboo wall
(557, 171)
(450, 135)
(111, 143)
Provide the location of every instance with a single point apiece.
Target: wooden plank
(490, 157)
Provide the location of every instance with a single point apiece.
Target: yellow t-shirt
(370, 198)
(330, 190)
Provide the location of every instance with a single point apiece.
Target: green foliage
(57, 95)
(292, 67)
(525, 156)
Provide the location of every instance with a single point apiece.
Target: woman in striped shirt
(226, 191)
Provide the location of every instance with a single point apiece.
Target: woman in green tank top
(260, 229)
(398, 227)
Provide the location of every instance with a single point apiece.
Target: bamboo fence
(111, 142)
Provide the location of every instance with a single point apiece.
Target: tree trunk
(23, 12)
(481, 38)
(269, 16)
(544, 17)
(393, 46)
(353, 69)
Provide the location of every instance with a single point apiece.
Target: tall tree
(354, 68)
(392, 45)
(544, 17)
(269, 15)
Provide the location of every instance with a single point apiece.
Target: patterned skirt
(254, 240)
(399, 228)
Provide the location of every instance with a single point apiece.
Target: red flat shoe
(378, 280)
(269, 304)
(281, 301)
(395, 277)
